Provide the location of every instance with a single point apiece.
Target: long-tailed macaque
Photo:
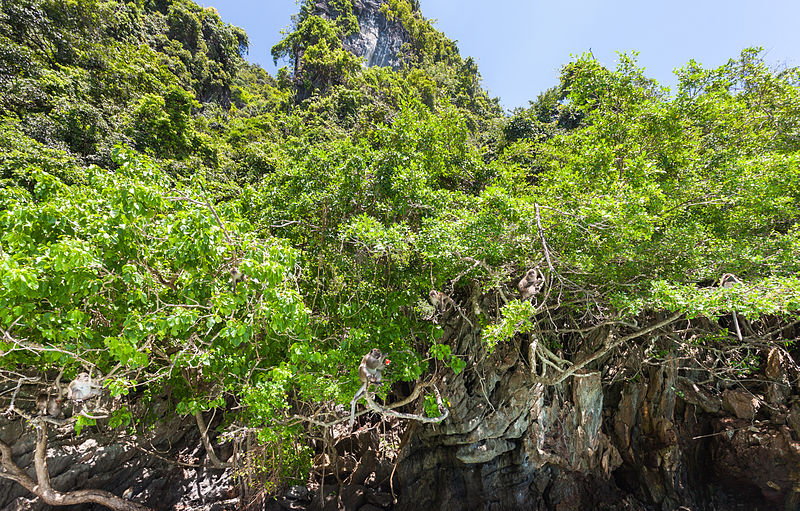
(82, 387)
(371, 366)
(440, 301)
(369, 371)
(236, 277)
(531, 283)
(729, 280)
(48, 405)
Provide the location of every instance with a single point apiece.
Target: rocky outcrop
(510, 444)
(165, 470)
(655, 440)
(379, 40)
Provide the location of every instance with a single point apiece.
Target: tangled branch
(564, 369)
(41, 485)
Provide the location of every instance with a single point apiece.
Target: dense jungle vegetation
(142, 159)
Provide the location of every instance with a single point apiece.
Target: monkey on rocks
(440, 301)
(82, 388)
(369, 371)
(48, 405)
(441, 304)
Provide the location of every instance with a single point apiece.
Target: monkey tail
(736, 325)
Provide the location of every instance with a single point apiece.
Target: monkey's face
(531, 275)
(375, 353)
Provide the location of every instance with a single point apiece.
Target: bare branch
(443, 411)
(608, 346)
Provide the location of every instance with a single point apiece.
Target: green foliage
(315, 48)
(163, 124)
(444, 353)
(773, 296)
(345, 194)
(657, 192)
(431, 407)
(515, 321)
(21, 158)
(427, 42)
(70, 69)
(128, 271)
(207, 48)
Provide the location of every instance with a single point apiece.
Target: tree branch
(577, 366)
(42, 488)
(443, 411)
(201, 425)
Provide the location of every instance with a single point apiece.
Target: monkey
(48, 405)
(54, 407)
(440, 301)
(369, 371)
(729, 280)
(531, 283)
(371, 366)
(41, 403)
(82, 387)
(51, 405)
(236, 277)
(441, 304)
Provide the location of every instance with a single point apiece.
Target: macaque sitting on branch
(371, 366)
(531, 283)
(369, 371)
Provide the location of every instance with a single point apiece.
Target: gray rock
(379, 499)
(793, 420)
(775, 370)
(378, 40)
(297, 493)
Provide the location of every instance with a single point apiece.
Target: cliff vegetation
(218, 248)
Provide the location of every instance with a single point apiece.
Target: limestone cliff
(379, 40)
(622, 435)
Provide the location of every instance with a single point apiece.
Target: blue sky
(520, 45)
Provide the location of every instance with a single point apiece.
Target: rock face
(657, 441)
(94, 460)
(510, 444)
(379, 40)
